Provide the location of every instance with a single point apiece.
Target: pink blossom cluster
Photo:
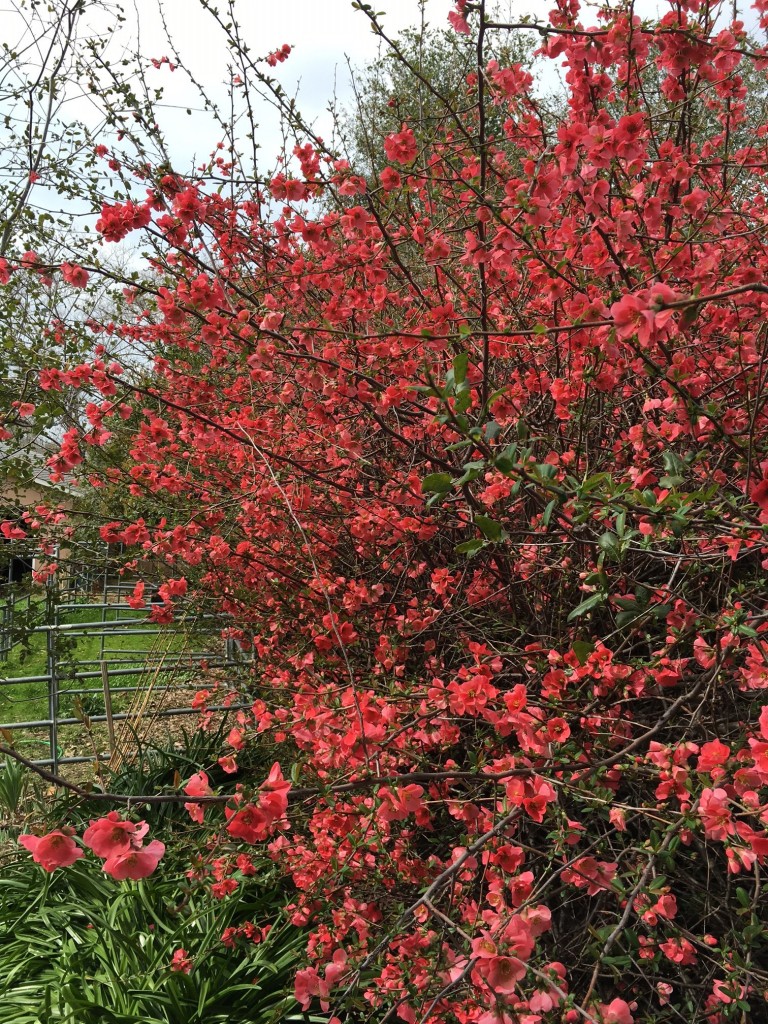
(118, 842)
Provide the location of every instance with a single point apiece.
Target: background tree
(423, 78)
(51, 179)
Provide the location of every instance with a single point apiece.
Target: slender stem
(481, 230)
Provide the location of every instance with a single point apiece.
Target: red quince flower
(715, 814)
(235, 739)
(401, 147)
(276, 783)
(74, 275)
(390, 179)
(111, 836)
(55, 850)
(759, 494)
(457, 19)
(135, 864)
(181, 962)
(197, 786)
(616, 1012)
(250, 823)
(503, 972)
(11, 531)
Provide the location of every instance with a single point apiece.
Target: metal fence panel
(105, 621)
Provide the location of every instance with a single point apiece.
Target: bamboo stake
(108, 706)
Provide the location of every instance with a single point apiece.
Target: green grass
(29, 701)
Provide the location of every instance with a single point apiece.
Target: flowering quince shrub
(475, 459)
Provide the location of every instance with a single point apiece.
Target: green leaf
(582, 649)
(671, 482)
(496, 396)
(608, 543)
(742, 896)
(678, 525)
(439, 483)
(592, 482)
(673, 464)
(593, 601)
(472, 471)
(547, 515)
(489, 527)
(463, 400)
(597, 579)
(460, 367)
(690, 314)
(544, 471)
(470, 547)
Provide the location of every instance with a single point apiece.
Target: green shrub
(79, 948)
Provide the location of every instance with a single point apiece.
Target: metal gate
(102, 687)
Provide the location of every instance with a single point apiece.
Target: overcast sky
(323, 35)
